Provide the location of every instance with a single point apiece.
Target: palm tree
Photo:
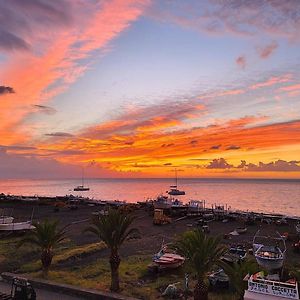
(202, 253)
(237, 273)
(113, 229)
(46, 236)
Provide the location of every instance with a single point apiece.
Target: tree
(237, 272)
(46, 236)
(113, 229)
(202, 252)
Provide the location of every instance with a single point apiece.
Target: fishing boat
(270, 257)
(235, 254)
(162, 202)
(16, 226)
(173, 188)
(167, 260)
(81, 188)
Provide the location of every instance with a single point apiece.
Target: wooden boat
(270, 257)
(16, 226)
(235, 254)
(167, 260)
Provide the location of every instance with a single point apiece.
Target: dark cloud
(20, 20)
(5, 89)
(265, 52)
(233, 147)
(215, 147)
(194, 142)
(235, 17)
(219, 163)
(168, 164)
(59, 134)
(167, 145)
(45, 109)
(16, 147)
(276, 166)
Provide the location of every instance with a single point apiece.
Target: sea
(259, 195)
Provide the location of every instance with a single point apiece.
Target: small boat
(219, 279)
(81, 188)
(196, 205)
(235, 254)
(16, 226)
(270, 257)
(167, 260)
(241, 230)
(162, 202)
(173, 188)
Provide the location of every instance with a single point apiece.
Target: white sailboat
(81, 188)
(173, 188)
(16, 226)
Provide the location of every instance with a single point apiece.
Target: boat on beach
(270, 257)
(167, 260)
(6, 219)
(16, 226)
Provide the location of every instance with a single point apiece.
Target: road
(40, 294)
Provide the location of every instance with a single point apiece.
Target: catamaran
(173, 188)
(81, 188)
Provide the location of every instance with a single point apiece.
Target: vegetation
(202, 253)
(237, 273)
(113, 229)
(46, 236)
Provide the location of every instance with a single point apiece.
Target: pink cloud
(274, 80)
(266, 51)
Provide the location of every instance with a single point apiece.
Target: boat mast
(176, 177)
(82, 178)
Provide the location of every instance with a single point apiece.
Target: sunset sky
(131, 88)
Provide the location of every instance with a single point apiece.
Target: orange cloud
(40, 75)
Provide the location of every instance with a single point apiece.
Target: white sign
(273, 288)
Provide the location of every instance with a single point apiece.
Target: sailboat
(81, 188)
(173, 188)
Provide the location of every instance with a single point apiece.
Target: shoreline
(44, 200)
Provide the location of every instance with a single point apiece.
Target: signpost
(273, 288)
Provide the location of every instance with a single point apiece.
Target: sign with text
(273, 288)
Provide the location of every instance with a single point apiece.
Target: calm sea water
(275, 196)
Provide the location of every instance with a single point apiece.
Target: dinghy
(167, 260)
(270, 257)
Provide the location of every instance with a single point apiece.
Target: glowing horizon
(136, 88)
